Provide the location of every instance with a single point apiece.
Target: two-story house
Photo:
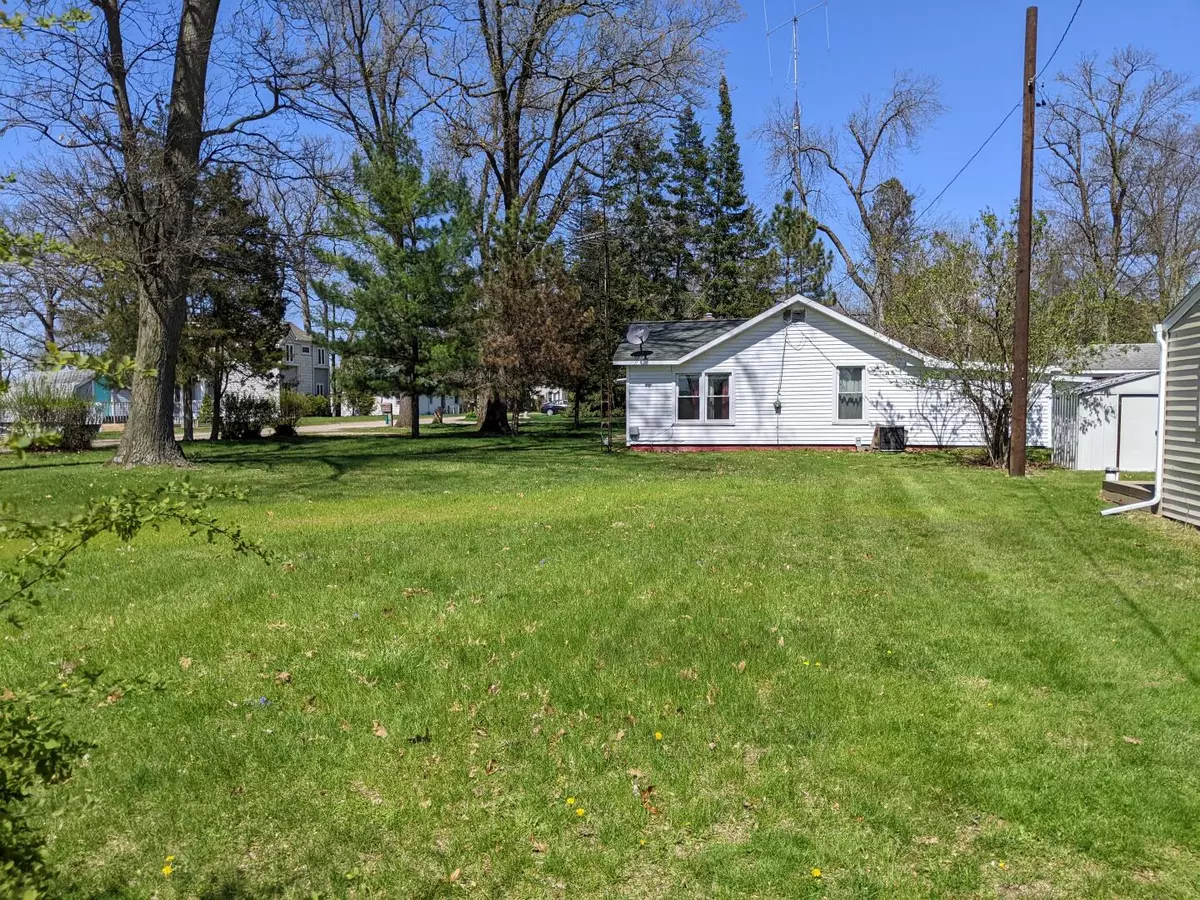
(305, 367)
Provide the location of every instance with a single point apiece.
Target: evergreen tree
(734, 284)
(407, 272)
(640, 217)
(690, 210)
(802, 262)
(235, 305)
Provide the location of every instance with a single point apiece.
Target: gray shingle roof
(671, 340)
(1121, 358)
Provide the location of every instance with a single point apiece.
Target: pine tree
(734, 246)
(691, 208)
(641, 220)
(802, 262)
(406, 272)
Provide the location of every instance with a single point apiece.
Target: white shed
(797, 375)
(1110, 423)
(1180, 481)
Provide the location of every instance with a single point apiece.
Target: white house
(797, 375)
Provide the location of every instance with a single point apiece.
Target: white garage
(1105, 424)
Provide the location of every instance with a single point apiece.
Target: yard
(526, 668)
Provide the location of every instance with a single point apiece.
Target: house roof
(57, 380)
(1120, 358)
(672, 343)
(296, 333)
(1182, 308)
(1103, 384)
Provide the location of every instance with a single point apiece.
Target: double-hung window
(290, 352)
(717, 391)
(703, 398)
(320, 356)
(687, 405)
(850, 394)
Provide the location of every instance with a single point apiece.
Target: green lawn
(921, 678)
(338, 420)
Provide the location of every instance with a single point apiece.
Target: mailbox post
(387, 414)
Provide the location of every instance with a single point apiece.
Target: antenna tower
(794, 60)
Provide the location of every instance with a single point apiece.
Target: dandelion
(570, 801)
(658, 735)
(580, 811)
(816, 873)
(170, 859)
(167, 870)
(1002, 864)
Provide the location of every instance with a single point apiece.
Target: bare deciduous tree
(1122, 174)
(858, 159)
(131, 93)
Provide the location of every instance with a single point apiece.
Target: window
(306, 349)
(718, 397)
(320, 390)
(688, 406)
(320, 356)
(850, 394)
(290, 352)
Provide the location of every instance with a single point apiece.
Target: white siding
(798, 364)
(1181, 453)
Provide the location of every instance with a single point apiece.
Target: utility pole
(1020, 378)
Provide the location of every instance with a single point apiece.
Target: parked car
(553, 407)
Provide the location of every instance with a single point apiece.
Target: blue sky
(973, 47)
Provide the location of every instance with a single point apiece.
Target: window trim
(702, 399)
(837, 393)
(289, 352)
(320, 356)
(304, 348)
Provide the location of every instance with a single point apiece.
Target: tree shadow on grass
(1123, 596)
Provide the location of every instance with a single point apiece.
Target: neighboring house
(305, 367)
(449, 405)
(1104, 361)
(799, 374)
(1107, 423)
(1180, 479)
(548, 394)
(110, 404)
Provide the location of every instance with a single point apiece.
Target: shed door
(1137, 439)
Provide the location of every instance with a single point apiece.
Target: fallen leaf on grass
(278, 626)
(114, 697)
(1132, 740)
(8, 695)
(185, 662)
(369, 682)
(345, 726)
(368, 793)
(310, 703)
(454, 876)
(283, 677)
(378, 730)
(740, 666)
(492, 767)
(538, 846)
(493, 689)
(646, 804)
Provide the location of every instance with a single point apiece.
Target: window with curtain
(850, 393)
(688, 403)
(718, 397)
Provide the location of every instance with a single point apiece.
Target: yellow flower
(816, 873)
(1002, 864)
(580, 811)
(570, 801)
(170, 859)
(168, 869)
(658, 735)
(816, 664)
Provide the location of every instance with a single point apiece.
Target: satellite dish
(637, 334)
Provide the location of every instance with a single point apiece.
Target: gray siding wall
(1181, 453)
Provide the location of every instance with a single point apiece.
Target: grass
(921, 678)
(337, 420)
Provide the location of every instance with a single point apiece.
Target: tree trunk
(414, 411)
(189, 425)
(414, 396)
(578, 391)
(495, 417)
(149, 437)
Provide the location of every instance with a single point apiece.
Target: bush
(361, 402)
(316, 406)
(51, 410)
(245, 416)
(204, 416)
(293, 406)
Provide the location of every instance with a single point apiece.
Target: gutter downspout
(1161, 337)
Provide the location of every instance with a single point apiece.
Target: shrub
(204, 416)
(316, 406)
(293, 406)
(245, 416)
(42, 407)
(361, 402)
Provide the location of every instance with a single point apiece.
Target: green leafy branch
(123, 515)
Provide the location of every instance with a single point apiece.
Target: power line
(1007, 116)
